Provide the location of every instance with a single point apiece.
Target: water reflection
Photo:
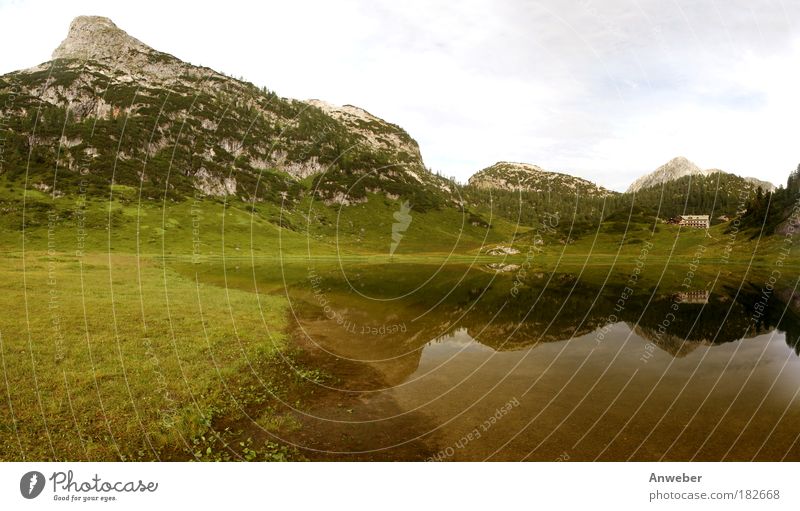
(368, 324)
(590, 401)
(666, 373)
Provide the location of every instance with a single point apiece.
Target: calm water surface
(450, 364)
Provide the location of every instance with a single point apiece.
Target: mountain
(765, 185)
(525, 177)
(674, 169)
(98, 39)
(110, 117)
(108, 109)
(680, 167)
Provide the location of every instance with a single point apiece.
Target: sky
(605, 90)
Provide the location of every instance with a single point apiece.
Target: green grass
(110, 357)
(112, 349)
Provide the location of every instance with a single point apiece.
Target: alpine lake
(453, 362)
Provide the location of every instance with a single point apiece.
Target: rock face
(765, 185)
(184, 128)
(680, 167)
(378, 133)
(532, 178)
(674, 169)
(98, 39)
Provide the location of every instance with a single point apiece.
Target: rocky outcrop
(674, 169)
(532, 178)
(375, 131)
(765, 185)
(98, 39)
(680, 167)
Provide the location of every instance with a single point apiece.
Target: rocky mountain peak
(97, 38)
(681, 161)
(676, 168)
(679, 167)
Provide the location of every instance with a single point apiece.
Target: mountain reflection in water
(567, 369)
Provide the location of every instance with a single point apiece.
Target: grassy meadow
(114, 357)
(109, 352)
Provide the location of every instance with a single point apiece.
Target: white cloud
(606, 90)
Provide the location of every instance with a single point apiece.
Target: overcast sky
(606, 90)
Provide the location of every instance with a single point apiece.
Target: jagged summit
(674, 169)
(97, 38)
(682, 162)
(680, 167)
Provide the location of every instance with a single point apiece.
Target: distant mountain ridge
(511, 176)
(680, 167)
